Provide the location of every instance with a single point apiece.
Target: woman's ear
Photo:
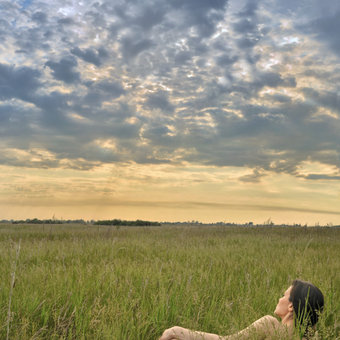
(290, 307)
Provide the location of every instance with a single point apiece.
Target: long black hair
(308, 302)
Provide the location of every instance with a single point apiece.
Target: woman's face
(284, 306)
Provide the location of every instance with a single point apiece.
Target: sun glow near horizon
(165, 193)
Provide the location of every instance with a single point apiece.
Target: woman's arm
(265, 327)
(180, 333)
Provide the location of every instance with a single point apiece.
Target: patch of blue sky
(26, 3)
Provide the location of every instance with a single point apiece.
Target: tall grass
(90, 282)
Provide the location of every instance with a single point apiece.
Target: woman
(299, 309)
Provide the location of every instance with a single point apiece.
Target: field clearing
(99, 282)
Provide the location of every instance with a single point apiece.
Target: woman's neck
(288, 321)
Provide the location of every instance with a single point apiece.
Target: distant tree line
(45, 221)
(115, 222)
(118, 222)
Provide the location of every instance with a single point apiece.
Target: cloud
(216, 79)
(160, 100)
(64, 70)
(148, 17)
(326, 29)
(66, 21)
(200, 14)
(322, 177)
(132, 46)
(247, 27)
(252, 178)
(18, 82)
(90, 55)
(39, 17)
(325, 98)
(102, 90)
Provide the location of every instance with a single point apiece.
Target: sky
(170, 110)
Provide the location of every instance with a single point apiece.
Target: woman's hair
(307, 302)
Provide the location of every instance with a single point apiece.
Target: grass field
(90, 282)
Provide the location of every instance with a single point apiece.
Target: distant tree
(117, 222)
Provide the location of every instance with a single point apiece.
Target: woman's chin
(277, 314)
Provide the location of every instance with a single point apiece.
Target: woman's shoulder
(272, 328)
(269, 319)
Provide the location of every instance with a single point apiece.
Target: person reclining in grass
(299, 309)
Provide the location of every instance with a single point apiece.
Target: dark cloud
(326, 30)
(66, 21)
(160, 100)
(328, 99)
(322, 177)
(149, 17)
(52, 101)
(18, 82)
(131, 46)
(39, 17)
(17, 125)
(101, 91)
(270, 79)
(90, 55)
(247, 26)
(279, 98)
(4, 114)
(200, 14)
(32, 41)
(64, 70)
(182, 57)
(226, 60)
(255, 177)
(200, 5)
(249, 9)
(318, 19)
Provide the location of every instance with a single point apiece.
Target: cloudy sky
(177, 110)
